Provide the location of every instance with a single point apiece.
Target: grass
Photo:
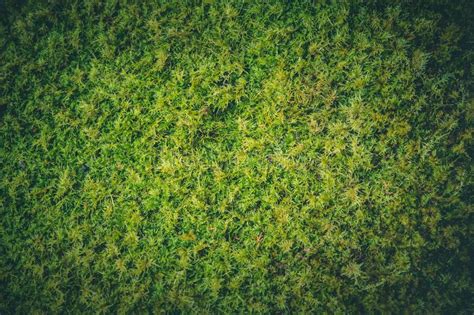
(236, 156)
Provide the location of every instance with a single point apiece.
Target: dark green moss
(236, 156)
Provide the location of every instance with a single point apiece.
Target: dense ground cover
(236, 156)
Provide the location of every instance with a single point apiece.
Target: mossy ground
(236, 156)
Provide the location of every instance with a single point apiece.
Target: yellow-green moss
(236, 156)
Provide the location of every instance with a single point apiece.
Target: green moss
(236, 156)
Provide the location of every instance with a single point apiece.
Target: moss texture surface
(236, 156)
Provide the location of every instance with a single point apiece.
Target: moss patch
(224, 156)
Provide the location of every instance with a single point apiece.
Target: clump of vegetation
(223, 156)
